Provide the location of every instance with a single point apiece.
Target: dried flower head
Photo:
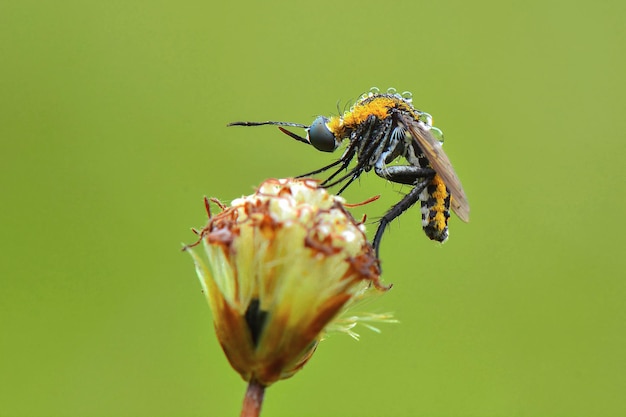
(277, 267)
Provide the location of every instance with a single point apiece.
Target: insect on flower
(279, 269)
(381, 128)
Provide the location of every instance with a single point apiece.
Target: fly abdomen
(435, 201)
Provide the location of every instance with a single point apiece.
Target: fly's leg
(404, 174)
(363, 142)
(418, 177)
(322, 169)
(345, 160)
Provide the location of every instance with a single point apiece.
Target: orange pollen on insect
(336, 126)
(360, 112)
(439, 195)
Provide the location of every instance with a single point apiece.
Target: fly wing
(441, 164)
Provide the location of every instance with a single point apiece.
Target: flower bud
(277, 267)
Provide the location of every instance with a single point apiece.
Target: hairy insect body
(435, 201)
(372, 124)
(380, 129)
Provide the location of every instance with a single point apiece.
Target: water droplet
(374, 90)
(426, 118)
(437, 134)
(407, 95)
(391, 90)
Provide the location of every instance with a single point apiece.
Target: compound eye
(320, 136)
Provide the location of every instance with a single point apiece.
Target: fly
(380, 128)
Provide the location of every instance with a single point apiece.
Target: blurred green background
(112, 129)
